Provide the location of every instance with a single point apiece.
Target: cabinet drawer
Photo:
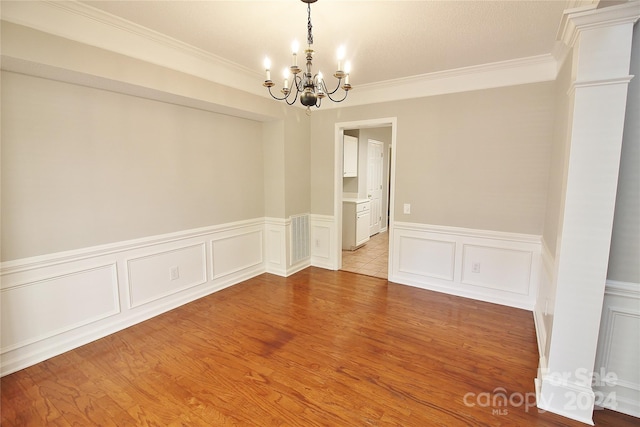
(362, 207)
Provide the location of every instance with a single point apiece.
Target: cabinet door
(350, 156)
(362, 228)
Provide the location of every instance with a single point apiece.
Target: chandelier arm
(298, 83)
(338, 100)
(284, 98)
(335, 90)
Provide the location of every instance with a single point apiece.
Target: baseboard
(541, 331)
(297, 267)
(574, 401)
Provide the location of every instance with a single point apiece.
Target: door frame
(337, 179)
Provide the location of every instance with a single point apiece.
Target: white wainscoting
(497, 267)
(618, 349)
(237, 251)
(150, 280)
(53, 303)
(323, 245)
(278, 248)
(543, 310)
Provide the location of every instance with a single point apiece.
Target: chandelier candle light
(311, 88)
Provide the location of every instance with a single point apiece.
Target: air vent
(299, 238)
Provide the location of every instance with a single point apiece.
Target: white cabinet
(350, 156)
(355, 223)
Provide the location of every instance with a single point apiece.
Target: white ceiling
(385, 40)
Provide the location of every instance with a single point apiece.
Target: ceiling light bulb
(347, 67)
(295, 46)
(267, 67)
(340, 57)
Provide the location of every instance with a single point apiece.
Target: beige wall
(477, 159)
(274, 168)
(297, 160)
(625, 241)
(286, 166)
(106, 148)
(83, 167)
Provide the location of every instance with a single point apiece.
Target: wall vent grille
(299, 238)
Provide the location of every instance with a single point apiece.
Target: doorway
(375, 174)
(371, 259)
(385, 216)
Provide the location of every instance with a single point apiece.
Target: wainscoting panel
(155, 276)
(231, 254)
(424, 257)
(276, 246)
(36, 310)
(287, 244)
(618, 349)
(322, 245)
(54, 303)
(497, 267)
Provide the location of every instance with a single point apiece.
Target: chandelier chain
(309, 26)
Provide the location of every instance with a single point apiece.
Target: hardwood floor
(320, 348)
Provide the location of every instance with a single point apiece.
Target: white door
(374, 183)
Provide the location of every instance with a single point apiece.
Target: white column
(601, 43)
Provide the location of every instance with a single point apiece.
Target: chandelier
(311, 88)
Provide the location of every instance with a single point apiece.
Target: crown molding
(85, 24)
(478, 77)
(589, 17)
